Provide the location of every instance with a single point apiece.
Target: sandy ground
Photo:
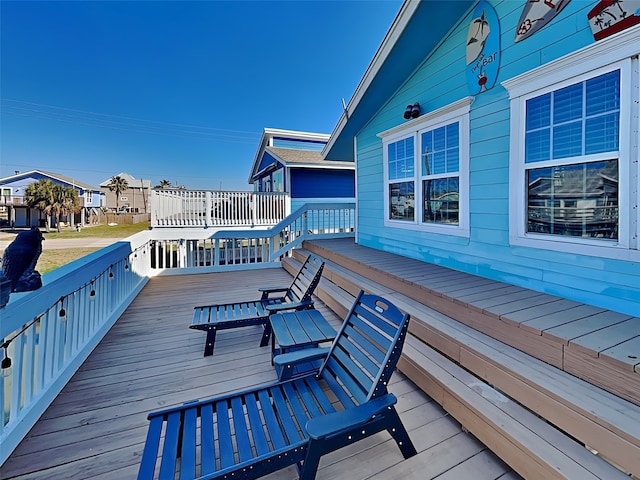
(57, 243)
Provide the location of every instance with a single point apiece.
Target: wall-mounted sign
(483, 48)
(613, 16)
(536, 14)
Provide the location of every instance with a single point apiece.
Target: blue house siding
(317, 182)
(440, 81)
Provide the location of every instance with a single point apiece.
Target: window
(426, 171)
(278, 180)
(573, 158)
(401, 163)
(441, 174)
(577, 196)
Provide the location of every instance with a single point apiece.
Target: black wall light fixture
(412, 111)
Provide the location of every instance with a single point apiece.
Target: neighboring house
(291, 162)
(13, 206)
(500, 138)
(134, 199)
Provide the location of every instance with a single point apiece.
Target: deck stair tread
(592, 415)
(600, 346)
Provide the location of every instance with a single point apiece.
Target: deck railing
(211, 208)
(48, 333)
(198, 251)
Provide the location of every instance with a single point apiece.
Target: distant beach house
(291, 162)
(18, 214)
(134, 199)
(484, 150)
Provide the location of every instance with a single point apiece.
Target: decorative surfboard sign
(613, 16)
(483, 48)
(536, 14)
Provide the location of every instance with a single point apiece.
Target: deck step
(592, 343)
(594, 417)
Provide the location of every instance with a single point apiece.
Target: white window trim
(619, 51)
(454, 112)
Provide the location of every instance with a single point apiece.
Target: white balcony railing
(198, 208)
(49, 332)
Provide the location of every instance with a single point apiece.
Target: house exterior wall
(318, 182)
(488, 249)
(134, 199)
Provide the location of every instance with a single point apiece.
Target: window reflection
(442, 198)
(579, 200)
(401, 201)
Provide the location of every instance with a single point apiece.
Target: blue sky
(174, 90)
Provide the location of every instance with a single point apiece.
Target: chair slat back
(366, 349)
(306, 280)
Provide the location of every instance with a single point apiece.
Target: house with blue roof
(501, 138)
(17, 212)
(291, 162)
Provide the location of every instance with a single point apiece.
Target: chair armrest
(268, 290)
(273, 289)
(279, 307)
(285, 363)
(346, 420)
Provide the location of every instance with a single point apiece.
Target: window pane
(400, 159)
(438, 162)
(439, 139)
(567, 140)
(453, 160)
(538, 112)
(602, 133)
(537, 146)
(567, 104)
(442, 198)
(441, 150)
(603, 93)
(579, 200)
(401, 201)
(585, 120)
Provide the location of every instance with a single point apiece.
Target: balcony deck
(97, 425)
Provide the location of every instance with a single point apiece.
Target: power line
(3, 100)
(128, 124)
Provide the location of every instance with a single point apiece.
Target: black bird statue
(20, 258)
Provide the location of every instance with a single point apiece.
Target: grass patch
(104, 231)
(52, 259)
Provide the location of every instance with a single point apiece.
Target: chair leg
(400, 435)
(266, 334)
(310, 464)
(210, 341)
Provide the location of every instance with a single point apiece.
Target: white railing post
(208, 207)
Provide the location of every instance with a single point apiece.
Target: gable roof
(311, 158)
(416, 31)
(284, 155)
(130, 179)
(54, 176)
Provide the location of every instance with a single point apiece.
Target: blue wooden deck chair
(297, 296)
(294, 422)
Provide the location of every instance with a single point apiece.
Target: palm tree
(40, 195)
(163, 184)
(118, 185)
(67, 202)
(52, 199)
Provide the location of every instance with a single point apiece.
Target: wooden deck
(597, 345)
(150, 359)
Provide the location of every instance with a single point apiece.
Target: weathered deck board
(150, 359)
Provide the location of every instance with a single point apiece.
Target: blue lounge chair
(294, 422)
(297, 296)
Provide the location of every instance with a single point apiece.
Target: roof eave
(389, 70)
